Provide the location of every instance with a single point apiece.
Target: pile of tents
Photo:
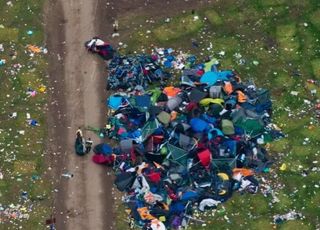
(186, 146)
(127, 72)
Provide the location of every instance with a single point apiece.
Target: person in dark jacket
(88, 144)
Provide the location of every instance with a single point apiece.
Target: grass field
(22, 156)
(279, 42)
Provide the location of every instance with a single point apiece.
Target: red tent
(205, 157)
(102, 159)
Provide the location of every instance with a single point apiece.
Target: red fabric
(200, 72)
(201, 145)
(145, 72)
(133, 155)
(205, 157)
(154, 177)
(191, 106)
(102, 159)
(157, 139)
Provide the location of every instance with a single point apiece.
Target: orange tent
(245, 172)
(228, 87)
(241, 96)
(171, 91)
(144, 213)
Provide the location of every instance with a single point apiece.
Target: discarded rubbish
(2, 62)
(104, 49)
(67, 175)
(292, 215)
(195, 142)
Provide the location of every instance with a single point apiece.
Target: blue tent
(198, 125)
(210, 78)
(176, 208)
(104, 149)
(143, 101)
(115, 101)
(189, 195)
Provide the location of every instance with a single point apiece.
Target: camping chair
(177, 155)
(222, 162)
(149, 128)
(186, 142)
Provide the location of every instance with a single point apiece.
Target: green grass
(283, 36)
(177, 28)
(213, 17)
(9, 34)
(288, 43)
(315, 18)
(22, 158)
(316, 68)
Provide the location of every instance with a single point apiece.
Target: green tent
(149, 128)
(227, 127)
(155, 94)
(164, 118)
(252, 127)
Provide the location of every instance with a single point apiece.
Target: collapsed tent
(126, 72)
(104, 49)
(194, 142)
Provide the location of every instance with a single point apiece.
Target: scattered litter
(13, 115)
(292, 215)
(34, 49)
(14, 212)
(283, 167)
(2, 62)
(9, 3)
(21, 132)
(67, 175)
(33, 122)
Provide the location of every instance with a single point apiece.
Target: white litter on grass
(21, 132)
(313, 91)
(222, 53)
(294, 93)
(306, 101)
(9, 3)
(237, 55)
(255, 63)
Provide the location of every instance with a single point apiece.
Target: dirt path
(84, 201)
(77, 95)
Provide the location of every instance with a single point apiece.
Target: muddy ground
(76, 80)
